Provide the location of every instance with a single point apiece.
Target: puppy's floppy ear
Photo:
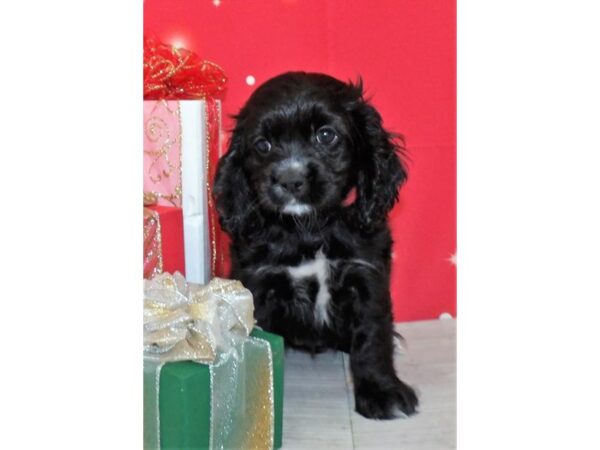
(231, 189)
(381, 171)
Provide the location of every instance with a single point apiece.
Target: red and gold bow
(172, 73)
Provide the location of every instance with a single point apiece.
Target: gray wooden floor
(319, 404)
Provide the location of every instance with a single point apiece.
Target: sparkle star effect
(452, 259)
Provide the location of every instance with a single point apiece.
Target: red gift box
(163, 240)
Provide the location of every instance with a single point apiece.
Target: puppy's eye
(326, 136)
(262, 145)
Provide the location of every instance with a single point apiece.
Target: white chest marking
(319, 268)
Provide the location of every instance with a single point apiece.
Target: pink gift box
(162, 151)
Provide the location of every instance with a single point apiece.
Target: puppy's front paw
(383, 401)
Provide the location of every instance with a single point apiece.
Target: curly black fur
(280, 194)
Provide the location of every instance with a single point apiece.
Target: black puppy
(318, 267)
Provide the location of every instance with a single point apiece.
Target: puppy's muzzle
(290, 179)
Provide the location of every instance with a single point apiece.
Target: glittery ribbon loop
(176, 73)
(188, 322)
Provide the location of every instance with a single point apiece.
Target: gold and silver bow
(191, 322)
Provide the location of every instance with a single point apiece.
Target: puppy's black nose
(290, 179)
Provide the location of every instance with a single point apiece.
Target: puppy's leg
(378, 392)
(284, 308)
(272, 292)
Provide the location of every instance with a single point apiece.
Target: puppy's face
(300, 144)
(299, 152)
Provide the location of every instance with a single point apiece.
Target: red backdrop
(405, 50)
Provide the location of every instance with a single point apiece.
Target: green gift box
(184, 401)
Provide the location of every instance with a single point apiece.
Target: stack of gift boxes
(182, 124)
(177, 144)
